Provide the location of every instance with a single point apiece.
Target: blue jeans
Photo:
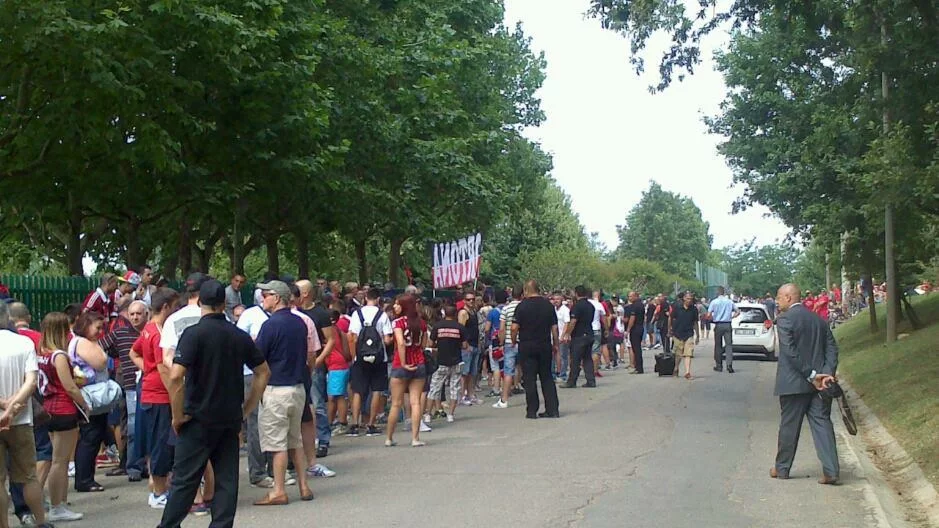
(324, 432)
(565, 349)
(137, 448)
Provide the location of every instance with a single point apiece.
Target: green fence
(711, 278)
(52, 294)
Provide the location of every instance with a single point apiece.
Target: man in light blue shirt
(721, 311)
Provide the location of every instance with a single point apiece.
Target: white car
(754, 331)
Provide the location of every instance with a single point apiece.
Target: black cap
(211, 293)
(194, 281)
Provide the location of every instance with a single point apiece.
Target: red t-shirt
(55, 400)
(821, 306)
(147, 345)
(32, 334)
(837, 293)
(412, 347)
(335, 361)
(809, 303)
(97, 301)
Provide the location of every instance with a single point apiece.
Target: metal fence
(711, 278)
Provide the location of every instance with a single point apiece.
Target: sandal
(94, 488)
(688, 376)
(308, 496)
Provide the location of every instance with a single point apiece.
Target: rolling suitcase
(665, 364)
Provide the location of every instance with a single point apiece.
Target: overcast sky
(609, 136)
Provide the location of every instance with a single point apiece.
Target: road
(637, 451)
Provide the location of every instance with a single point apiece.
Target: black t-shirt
(471, 330)
(535, 316)
(650, 312)
(638, 310)
(449, 337)
(661, 320)
(683, 321)
(583, 312)
(214, 352)
(321, 319)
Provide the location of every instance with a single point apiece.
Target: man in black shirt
(663, 315)
(635, 328)
(684, 325)
(580, 330)
(535, 329)
(207, 417)
(449, 341)
(649, 324)
(313, 304)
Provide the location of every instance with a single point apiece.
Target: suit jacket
(805, 344)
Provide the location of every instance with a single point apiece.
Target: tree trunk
(74, 250)
(185, 245)
(133, 258)
(893, 297)
(827, 271)
(871, 306)
(361, 257)
(846, 290)
(303, 254)
(273, 252)
(394, 261)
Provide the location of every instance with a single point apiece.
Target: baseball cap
(211, 293)
(276, 286)
(131, 277)
(194, 281)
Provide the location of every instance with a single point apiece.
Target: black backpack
(370, 346)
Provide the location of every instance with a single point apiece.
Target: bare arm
(262, 374)
(331, 339)
(136, 359)
(515, 333)
(400, 346)
(175, 389)
(64, 371)
(92, 353)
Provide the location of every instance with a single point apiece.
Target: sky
(609, 136)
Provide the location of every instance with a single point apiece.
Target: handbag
(834, 392)
(40, 415)
(101, 397)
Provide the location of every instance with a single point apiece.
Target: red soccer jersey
(413, 353)
(97, 301)
(147, 345)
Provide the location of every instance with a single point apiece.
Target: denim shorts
(597, 338)
(471, 361)
(510, 360)
(403, 373)
(43, 444)
(337, 382)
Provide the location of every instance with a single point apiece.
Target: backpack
(370, 346)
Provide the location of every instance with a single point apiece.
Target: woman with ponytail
(408, 371)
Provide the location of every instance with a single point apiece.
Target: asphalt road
(637, 451)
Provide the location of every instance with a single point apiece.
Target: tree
(754, 270)
(666, 228)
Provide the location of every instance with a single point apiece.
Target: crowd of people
(168, 387)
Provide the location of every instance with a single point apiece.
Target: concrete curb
(874, 445)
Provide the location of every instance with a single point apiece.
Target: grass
(899, 382)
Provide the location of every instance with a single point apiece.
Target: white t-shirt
(564, 317)
(17, 357)
(368, 314)
(598, 312)
(175, 324)
(251, 321)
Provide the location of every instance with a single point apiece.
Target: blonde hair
(55, 329)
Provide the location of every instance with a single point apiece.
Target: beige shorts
(683, 348)
(19, 443)
(279, 418)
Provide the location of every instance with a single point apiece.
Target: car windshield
(752, 315)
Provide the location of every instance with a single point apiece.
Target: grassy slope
(900, 382)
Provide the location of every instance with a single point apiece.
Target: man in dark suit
(808, 359)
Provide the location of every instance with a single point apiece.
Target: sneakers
(500, 404)
(71, 470)
(425, 428)
(449, 418)
(390, 443)
(340, 429)
(371, 430)
(475, 400)
(494, 394)
(266, 482)
(157, 502)
(61, 513)
(428, 418)
(466, 401)
(199, 509)
(353, 431)
(290, 478)
(322, 451)
(319, 470)
(418, 443)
